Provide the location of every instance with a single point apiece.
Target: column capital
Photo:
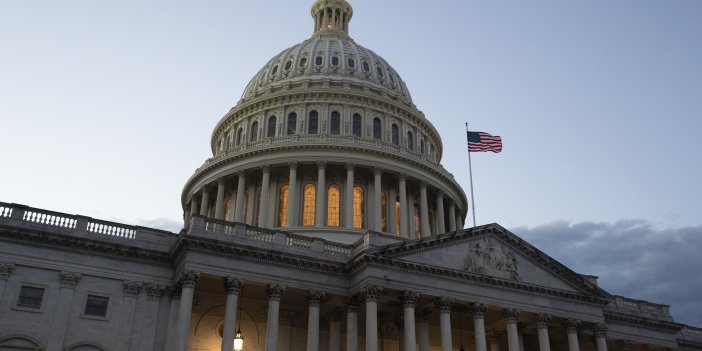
(275, 291)
(266, 168)
(542, 320)
(154, 291)
(402, 177)
(5, 269)
(187, 278)
(321, 164)
(377, 170)
(572, 325)
(241, 173)
(314, 298)
(293, 165)
(601, 330)
(174, 291)
(351, 303)
(350, 166)
(220, 181)
(625, 345)
(232, 285)
(131, 288)
(510, 314)
(371, 292)
(479, 309)
(409, 298)
(423, 185)
(443, 304)
(423, 315)
(69, 279)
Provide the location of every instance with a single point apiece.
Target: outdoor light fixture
(238, 338)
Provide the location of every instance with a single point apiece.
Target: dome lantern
(331, 16)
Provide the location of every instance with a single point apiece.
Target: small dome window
(379, 70)
(351, 63)
(366, 66)
(392, 78)
(318, 60)
(288, 65)
(335, 61)
(274, 70)
(303, 62)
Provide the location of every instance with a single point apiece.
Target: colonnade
(414, 333)
(418, 210)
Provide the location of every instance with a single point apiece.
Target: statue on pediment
(485, 257)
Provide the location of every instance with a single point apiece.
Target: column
(239, 207)
(404, 211)
(187, 281)
(371, 293)
(424, 209)
(440, 218)
(274, 293)
(321, 210)
(193, 206)
(264, 203)
(174, 295)
(412, 227)
(424, 330)
(572, 330)
(542, 328)
(444, 306)
(335, 329)
(205, 202)
(314, 299)
(292, 195)
(511, 315)
(625, 345)
(378, 210)
(219, 205)
(232, 206)
(232, 287)
(69, 280)
(459, 220)
(148, 330)
(601, 336)
(495, 341)
(348, 197)
(352, 323)
(479, 326)
(409, 298)
(392, 221)
(452, 217)
(5, 269)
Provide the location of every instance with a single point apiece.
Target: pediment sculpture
(489, 258)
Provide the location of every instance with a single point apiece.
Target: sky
(107, 108)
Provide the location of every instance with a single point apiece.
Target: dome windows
(378, 70)
(335, 123)
(351, 63)
(303, 62)
(357, 125)
(254, 131)
(292, 123)
(239, 136)
(395, 134)
(313, 123)
(410, 140)
(274, 70)
(377, 129)
(318, 60)
(335, 61)
(288, 65)
(271, 127)
(366, 66)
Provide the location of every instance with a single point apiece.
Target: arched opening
(227, 208)
(410, 141)
(240, 136)
(357, 125)
(308, 204)
(358, 207)
(421, 146)
(283, 206)
(292, 123)
(19, 343)
(335, 123)
(395, 134)
(383, 213)
(333, 205)
(417, 222)
(397, 216)
(254, 131)
(377, 129)
(313, 123)
(271, 127)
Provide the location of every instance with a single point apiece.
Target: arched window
(410, 141)
(246, 207)
(333, 205)
(421, 145)
(313, 123)
(283, 206)
(227, 208)
(357, 124)
(383, 213)
(357, 207)
(377, 129)
(417, 222)
(271, 127)
(292, 123)
(335, 125)
(254, 131)
(240, 136)
(308, 204)
(397, 217)
(395, 135)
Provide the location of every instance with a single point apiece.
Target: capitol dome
(325, 141)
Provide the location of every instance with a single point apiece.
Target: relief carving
(487, 257)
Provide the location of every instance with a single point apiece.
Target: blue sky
(106, 108)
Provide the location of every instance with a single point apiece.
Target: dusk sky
(106, 108)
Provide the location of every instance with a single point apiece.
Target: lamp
(238, 338)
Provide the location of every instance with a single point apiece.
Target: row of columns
(406, 212)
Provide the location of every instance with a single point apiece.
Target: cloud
(632, 258)
(162, 223)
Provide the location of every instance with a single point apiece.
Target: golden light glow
(383, 221)
(283, 206)
(357, 207)
(417, 222)
(309, 200)
(333, 202)
(227, 208)
(246, 206)
(397, 217)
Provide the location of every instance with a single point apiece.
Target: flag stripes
(483, 142)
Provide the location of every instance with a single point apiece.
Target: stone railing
(35, 218)
(641, 307)
(692, 332)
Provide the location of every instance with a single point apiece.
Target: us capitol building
(323, 221)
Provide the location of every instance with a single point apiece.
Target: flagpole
(470, 172)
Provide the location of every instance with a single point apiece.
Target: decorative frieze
(131, 288)
(409, 298)
(69, 279)
(485, 256)
(314, 298)
(275, 291)
(232, 285)
(5, 269)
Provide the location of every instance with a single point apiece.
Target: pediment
(494, 252)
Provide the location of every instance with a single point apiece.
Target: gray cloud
(162, 223)
(632, 258)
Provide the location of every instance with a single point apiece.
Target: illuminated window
(313, 123)
(335, 127)
(377, 129)
(357, 207)
(292, 123)
(410, 141)
(227, 208)
(383, 213)
(333, 205)
(310, 194)
(271, 127)
(240, 136)
(254, 131)
(357, 124)
(395, 134)
(397, 217)
(246, 207)
(283, 206)
(417, 222)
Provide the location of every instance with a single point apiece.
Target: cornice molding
(618, 317)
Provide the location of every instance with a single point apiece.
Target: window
(335, 127)
(292, 123)
(246, 207)
(377, 129)
(227, 208)
(303, 62)
(335, 60)
(421, 145)
(240, 136)
(271, 127)
(309, 199)
(378, 69)
(392, 79)
(410, 141)
(417, 222)
(351, 63)
(357, 124)
(384, 219)
(397, 217)
(254, 131)
(274, 70)
(333, 204)
(395, 134)
(366, 66)
(30, 297)
(313, 125)
(96, 305)
(318, 60)
(288, 65)
(357, 207)
(283, 206)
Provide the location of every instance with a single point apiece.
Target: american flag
(482, 142)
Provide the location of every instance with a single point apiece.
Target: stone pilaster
(69, 280)
(6, 269)
(601, 336)
(409, 298)
(149, 319)
(351, 306)
(371, 293)
(314, 300)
